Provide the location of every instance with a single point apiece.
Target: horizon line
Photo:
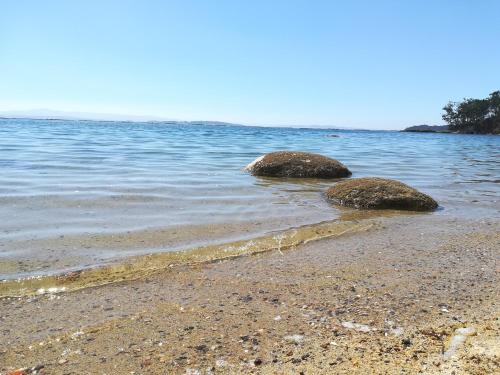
(194, 122)
(58, 115)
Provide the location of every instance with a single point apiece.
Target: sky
(360, 64)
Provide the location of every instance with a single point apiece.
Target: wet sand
(410, 295)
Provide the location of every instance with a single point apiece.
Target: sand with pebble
(414, 294)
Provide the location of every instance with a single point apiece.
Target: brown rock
(379, 193)
(297, 164)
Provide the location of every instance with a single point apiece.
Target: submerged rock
(379, 193)
(297, 164)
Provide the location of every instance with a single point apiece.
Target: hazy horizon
(49, 114)
(384, 65)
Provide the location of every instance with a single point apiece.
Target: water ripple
(78, 177)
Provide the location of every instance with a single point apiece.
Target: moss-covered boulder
(297, 164)
(379, 193)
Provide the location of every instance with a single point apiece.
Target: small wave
(146, 265)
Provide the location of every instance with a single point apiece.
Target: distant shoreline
(441, 129)
(198, 122)
(427, 129)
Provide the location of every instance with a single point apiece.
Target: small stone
(220, 363)
(21, 371)
(246, 298)
(357, 326)
(297, 339)
(202, 348)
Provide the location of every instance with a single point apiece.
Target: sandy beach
(264, 187)
(414, 294)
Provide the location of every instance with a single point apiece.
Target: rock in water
(379, 193)
(297, 164)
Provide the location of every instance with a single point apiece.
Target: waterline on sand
(142, 266)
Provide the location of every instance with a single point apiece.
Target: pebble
(220, 363)
(357, 326)
(295, 338)
(398, 331)
(406, 342)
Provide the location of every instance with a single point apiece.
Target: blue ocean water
(75, 179)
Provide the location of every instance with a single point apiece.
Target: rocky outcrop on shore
(379, 193)
(297, 164)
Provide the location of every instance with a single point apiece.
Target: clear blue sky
(369, 64)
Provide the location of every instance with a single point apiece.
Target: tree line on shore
(478, 116)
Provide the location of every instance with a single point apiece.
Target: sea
(81, 194)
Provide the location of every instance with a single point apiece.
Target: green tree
(474, 115)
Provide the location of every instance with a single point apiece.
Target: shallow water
(80, 193)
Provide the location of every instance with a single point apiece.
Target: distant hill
(49, 114)
(428, 129)
(117, 118)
